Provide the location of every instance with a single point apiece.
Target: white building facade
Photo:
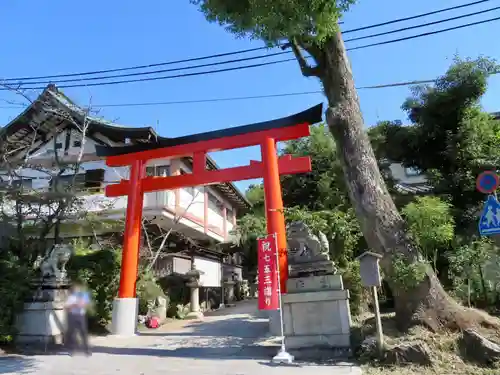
(54, 131)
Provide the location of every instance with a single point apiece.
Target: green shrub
(148, 291)
(473, 269)
(352, 282)
(100, 271)
(15, 288)
(175, 287)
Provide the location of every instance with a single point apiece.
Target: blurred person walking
(77, 305)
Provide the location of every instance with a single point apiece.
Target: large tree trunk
(426, 302)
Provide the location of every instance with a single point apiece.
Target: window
(23, 184)
(90, 181)
(66, 182)
(229, 214)
(77, 144)
(158, 171)
(58, 145)
(214, 204)
(412, 172)
(94, 179)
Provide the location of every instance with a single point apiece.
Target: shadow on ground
(218, 337)
(214, 353)
(239, 327)
(17, 365)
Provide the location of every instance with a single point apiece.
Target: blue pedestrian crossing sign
(489, 223)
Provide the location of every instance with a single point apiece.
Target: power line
(157, 78)
(415, 17)
(259, 64)
(423, 25)
(426, 34)
(189, 67)
(200, 58)
(138, 66)
(161, 70)
(252, 97)
(238, 98)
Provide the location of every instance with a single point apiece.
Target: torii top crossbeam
(197, 146)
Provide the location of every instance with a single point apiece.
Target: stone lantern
(193, 282)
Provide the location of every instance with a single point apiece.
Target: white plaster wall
(47, 150)
(214, 217)
(211, 269)
(194, 204)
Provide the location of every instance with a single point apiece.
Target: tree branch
(306, 69)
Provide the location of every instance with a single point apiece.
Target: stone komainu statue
(308, 254)
(53, 265)
(302, 243)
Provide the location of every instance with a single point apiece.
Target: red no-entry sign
(487, 182)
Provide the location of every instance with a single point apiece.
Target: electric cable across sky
(251, 97)
(232, 53)
(94, 84)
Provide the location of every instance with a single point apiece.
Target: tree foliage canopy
(273, 21)
(324, 187)
(450, 139)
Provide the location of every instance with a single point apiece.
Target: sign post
(489, 223)
(487, 182)
(269, 286)
(370, 278)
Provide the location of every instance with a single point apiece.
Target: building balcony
(186, 213)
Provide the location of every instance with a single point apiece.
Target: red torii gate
(265, 135)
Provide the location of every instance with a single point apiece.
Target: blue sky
(56, 37)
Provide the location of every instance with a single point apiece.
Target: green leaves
(324, 187)
(275, 20)
(100, 271)
(430, 221)
(473, 268)
(341, 228)
(451, 139)
(318, 198)
(431, 224)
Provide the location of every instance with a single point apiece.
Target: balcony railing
(93, 200)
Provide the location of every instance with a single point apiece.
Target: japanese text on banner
(268, 274)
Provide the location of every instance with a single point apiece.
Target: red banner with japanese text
(268, 273)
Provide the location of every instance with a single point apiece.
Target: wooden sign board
(369, 269)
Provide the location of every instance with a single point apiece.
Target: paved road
(228, 342)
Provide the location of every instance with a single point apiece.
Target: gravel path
(228, 342)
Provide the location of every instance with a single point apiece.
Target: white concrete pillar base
(124, 319)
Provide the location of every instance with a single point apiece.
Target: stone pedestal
(43, 320)
(316, 313)
(194, 303)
